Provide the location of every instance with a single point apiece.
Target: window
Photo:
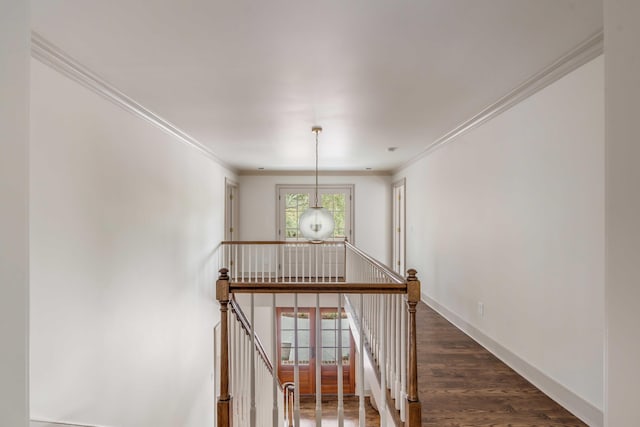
(294, 200)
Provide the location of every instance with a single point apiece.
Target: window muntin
(294, 200)
(287, 343)
(329, 338)
(295, 205)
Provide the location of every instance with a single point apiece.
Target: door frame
(231, 209)
(399, 222)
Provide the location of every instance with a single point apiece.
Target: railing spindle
(382, 407)
(339, 366)
(318, 355)
(403, 360)
(296, 367)
(398, 368)
(384, 323)
(276, 363)
(362, 416)
(252, 414)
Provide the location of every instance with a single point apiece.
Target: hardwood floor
(462, 384)
(330, 412)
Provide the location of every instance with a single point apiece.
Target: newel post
(224, 400)
(414, 409)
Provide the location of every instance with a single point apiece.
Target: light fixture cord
(316, 200)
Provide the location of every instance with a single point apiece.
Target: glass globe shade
(316, 224)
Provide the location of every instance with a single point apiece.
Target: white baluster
(234, 360)
(270, 254)
(398, 317)
(296, 367)
(318, 344)
(340, 370)
(274, 359)
(322, 251)
(403, 359)
(391, 346)
(388, 341)
(235, 262)
(243, 264)
(361, 412)
(382, 406)
(376, 328)
(337, 265)
(231, 350)
(241, 370)
(252, 416)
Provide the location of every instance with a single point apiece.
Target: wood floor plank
(461, 384)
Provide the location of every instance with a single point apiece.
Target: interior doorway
(399, 227)
(307, 354)
(231, 211)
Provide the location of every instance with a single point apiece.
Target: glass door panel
(306, 349)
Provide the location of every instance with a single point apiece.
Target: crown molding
(252, 172)
(49, 54)
(589, 49)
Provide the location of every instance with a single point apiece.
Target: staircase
(381, 309)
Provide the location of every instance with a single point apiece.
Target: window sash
(290, 209)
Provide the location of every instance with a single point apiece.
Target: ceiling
(248, 79)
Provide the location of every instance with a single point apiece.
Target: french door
(308, 354)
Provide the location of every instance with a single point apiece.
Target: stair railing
(278, 267)
(249, 373)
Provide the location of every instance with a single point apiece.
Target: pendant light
(316, 223)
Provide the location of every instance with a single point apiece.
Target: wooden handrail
(317, 288)
(225, 288)
(395, 276)
(282, 242)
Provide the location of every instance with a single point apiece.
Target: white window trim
(348, 188)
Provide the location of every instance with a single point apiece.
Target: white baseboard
(582, 409)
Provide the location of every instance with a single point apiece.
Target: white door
(399, 232)
(231, 212)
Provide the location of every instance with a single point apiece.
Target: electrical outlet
(480, 308)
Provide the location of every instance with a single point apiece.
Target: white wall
(623, 212)
(14, 238)
(372, 208)
(124, 223)
(511, 214)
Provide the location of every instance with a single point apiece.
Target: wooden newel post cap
(222, 285)
(413, 286)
